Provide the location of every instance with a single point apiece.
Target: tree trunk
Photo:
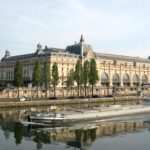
(46, 93)
(18, 93)
(85, 89)
(68, 92)
(107, 91)
(46, 89)
(54, 91)
(92, 90)
(8, 92)
(71, 92)
(37, 95)
(78, 90)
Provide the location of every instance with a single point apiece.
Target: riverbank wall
(10, 104)
(12, 93)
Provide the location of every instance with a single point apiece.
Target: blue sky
(110, 26)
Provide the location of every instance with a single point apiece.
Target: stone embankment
(31, 103)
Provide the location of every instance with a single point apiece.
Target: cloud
(112, 25)
(34, 22)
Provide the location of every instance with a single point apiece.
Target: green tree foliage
(86, 68)
(36, 79)
(93, 74)
(36, 73)
(18, 74)
(55, 77)
(46, 74)
(78, 74)
(70, 79)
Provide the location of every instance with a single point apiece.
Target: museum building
(113, 70)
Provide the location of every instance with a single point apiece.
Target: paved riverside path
(109, 113)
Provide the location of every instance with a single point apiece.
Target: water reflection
(18, 133)
(83, 138)
(21, 113)
(76, 135)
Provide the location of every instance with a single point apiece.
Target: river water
(124, 133)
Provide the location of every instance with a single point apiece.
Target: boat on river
(115, 111)
(51, 117)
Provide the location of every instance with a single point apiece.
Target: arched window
(144, 79)
(126, 80)
(24, 73)
(27, 73)
(104, 79)
(136, 80)
(116, 80)
(8, 74)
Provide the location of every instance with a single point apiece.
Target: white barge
(50, 118)
(88, 115)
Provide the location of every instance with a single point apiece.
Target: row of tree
(40, 75)
(84, 74)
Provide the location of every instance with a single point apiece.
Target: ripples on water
(125, 133)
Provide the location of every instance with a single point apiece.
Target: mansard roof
(33, 55)
(49, 50)
(25, 56)
(79, 48)
(45, 52)
(63, 52)
(75, 50)
(122, 57)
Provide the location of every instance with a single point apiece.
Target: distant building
(113, 70)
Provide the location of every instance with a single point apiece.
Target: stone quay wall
(10, 93)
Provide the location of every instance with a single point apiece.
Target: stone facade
(113, 70)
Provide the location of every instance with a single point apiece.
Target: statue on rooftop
(39, 47)
(81, 39)
(7, 54)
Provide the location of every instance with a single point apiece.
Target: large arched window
(136, 80)
(104, 79)
(126, 80)
(25, 73)
(116, 80)
(144, 79)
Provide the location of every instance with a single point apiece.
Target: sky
(110, 26)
